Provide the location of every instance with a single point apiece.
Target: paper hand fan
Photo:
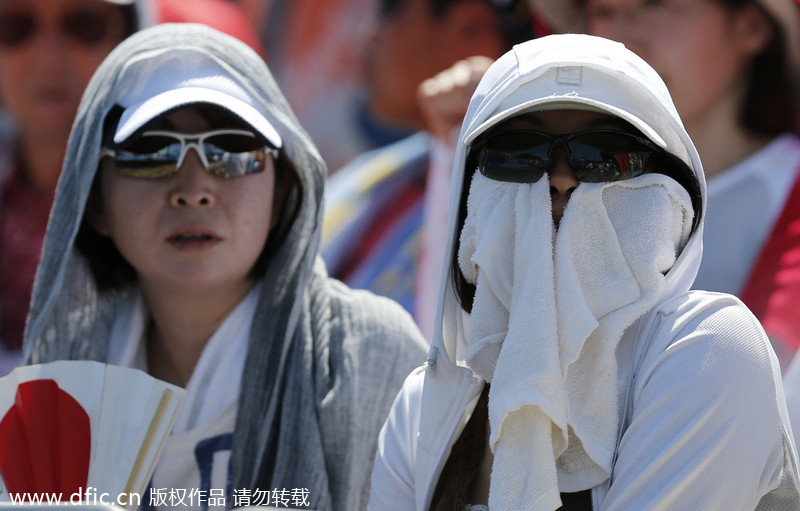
(69, 425)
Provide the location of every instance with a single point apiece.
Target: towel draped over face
(550, 307)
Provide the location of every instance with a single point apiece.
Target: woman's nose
(562, 183)
(193, 184)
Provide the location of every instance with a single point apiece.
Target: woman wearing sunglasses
(571, 366)
(49, 50)
(184, 242)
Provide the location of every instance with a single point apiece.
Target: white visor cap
(166, 80)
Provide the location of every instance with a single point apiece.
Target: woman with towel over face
(571, 367)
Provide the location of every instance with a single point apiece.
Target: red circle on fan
(45, 441)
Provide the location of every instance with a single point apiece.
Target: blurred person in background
(385, 208)
(317, 52)
(49, 50)
(223, 15)
(732, 69)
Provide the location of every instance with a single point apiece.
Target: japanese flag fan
(69, 425)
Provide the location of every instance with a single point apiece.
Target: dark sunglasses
(85, 26)
(225, 153)
(595, 156)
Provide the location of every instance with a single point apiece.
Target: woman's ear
(753, 29)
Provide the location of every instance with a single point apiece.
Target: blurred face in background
(412, 43)
(49, 50)
(701, 48)
(402, 56)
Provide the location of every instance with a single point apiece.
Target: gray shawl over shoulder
(324, 362)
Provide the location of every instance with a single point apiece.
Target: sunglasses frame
(195, 141)
(564, 141)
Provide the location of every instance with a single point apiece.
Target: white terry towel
(547, 317)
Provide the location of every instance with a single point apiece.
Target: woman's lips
(193, 240)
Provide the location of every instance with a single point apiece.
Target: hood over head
(568, 71)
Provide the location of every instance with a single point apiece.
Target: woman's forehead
(565, 121)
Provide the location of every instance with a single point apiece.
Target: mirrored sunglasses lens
(15, 29)
(148, 157)
(86, 27)
(226, 165)
(516, 157)
(605, 157)
(512, 167)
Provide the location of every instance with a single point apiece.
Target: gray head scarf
(321, 371)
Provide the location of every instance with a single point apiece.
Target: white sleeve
(709, 427)
(392, 486)
(791, 382)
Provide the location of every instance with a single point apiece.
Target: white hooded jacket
(702, 421)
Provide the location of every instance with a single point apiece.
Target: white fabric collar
(216, 379)
(775, 165)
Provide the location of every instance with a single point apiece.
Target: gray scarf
(321, 371)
